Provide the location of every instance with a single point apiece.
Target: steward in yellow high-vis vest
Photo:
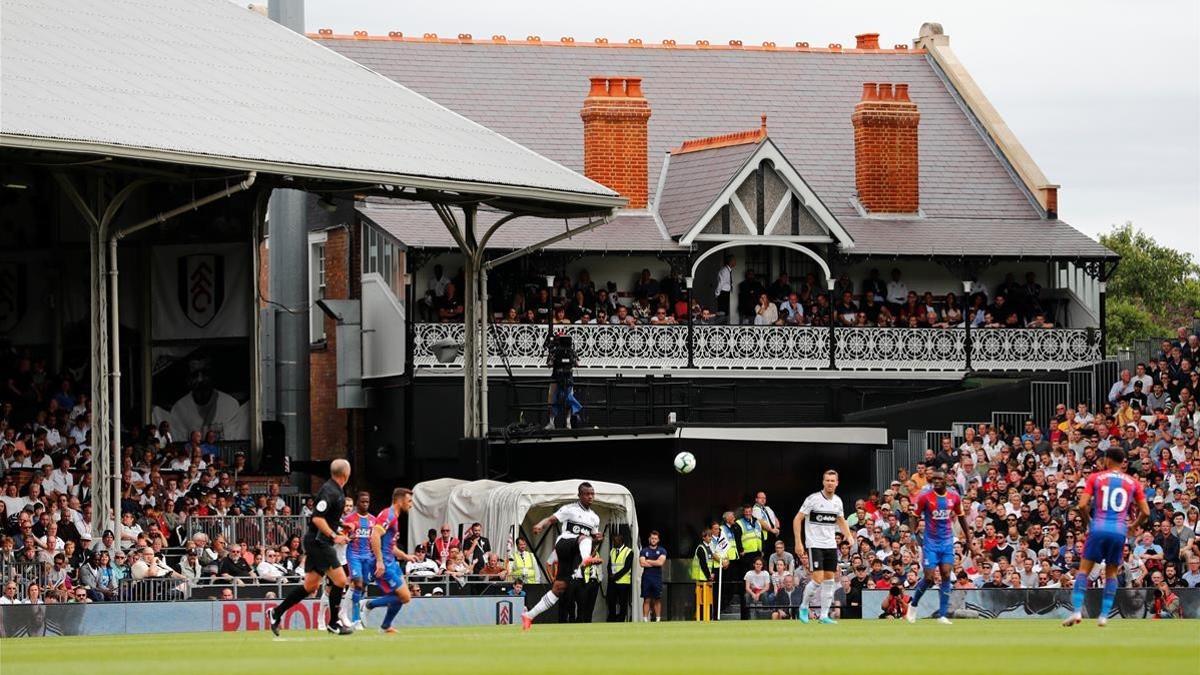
(749, 533)
(620, 580)
(522, 565)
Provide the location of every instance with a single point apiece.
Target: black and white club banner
(201, 291)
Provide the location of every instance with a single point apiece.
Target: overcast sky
(1104, 94)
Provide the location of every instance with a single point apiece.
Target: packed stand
(779, 302)
(50, 550)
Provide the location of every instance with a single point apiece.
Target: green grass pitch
(1012, 646)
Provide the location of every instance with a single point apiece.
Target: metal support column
(832, 336)
(691, 326)
(966, 284)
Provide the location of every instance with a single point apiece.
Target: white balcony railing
(786, 348)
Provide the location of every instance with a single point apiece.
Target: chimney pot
(870, 91)
(616, 87)
(885, 91)
(902, 93)
(599, 87)
(633, 87)
(867, 40)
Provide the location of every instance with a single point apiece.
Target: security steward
(749, 538)
(703, 570)
(620, 580)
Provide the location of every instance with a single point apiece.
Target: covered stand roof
(531, 90)
(210, 83)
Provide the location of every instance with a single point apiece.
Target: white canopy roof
(211, 83)
(429, 506)
(509, 510)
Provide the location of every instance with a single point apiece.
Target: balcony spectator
(724, 285)
(780, 289)
(766, 314)
(873, 287)
(449, 308)
(646, 286)
(791, 311)
(749, 291)
(847, 310)
(897, 291)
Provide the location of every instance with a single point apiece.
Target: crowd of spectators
(780, 302)
(1020, 488)
(48, 541)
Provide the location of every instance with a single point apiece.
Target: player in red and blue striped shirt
(388, 556)
(1114, 493)
(359, 558)
(939, 506)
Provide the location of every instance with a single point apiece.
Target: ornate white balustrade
(788, 348)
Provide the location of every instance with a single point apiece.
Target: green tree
(1154, 288)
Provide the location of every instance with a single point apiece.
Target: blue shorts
(652, 588)
(392, 577)
(1108, 547)
(361, 568)
(937, 554)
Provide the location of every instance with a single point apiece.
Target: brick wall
(615, 116)
(886, 165)
(328, 422)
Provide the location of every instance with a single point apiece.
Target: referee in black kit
(322, 559)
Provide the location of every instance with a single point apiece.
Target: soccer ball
(685, 462)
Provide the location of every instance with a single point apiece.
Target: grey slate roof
(693, 181)
(533, 94)
(417, 226)
(208, 82)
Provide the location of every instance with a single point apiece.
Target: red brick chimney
(615, 114)
(886, 167)
(867, 41)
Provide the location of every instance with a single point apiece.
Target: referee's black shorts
(567, 552)
(319, 557)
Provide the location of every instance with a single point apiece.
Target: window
(383, 256)
(316, 268)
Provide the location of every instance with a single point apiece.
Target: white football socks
(544, 604)
(828, 588)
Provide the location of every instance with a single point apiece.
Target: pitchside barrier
(119, 618)
(1036, 603)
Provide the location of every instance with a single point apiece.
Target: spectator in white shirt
(269, 569)
(421, 566)
(725, 284)
(1121, 387)
(61, 479)
(897, 291)
(79, 432)
(129, 530)
(10, 594)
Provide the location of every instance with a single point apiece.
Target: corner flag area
(763, 646)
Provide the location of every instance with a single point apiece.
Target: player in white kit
(573, 547)
(815, 527)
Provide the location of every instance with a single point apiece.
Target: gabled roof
(762, 156)
(693, 180)
(206, 82)
(533, 90)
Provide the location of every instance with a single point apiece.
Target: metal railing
(248, 530)
(789, 348)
